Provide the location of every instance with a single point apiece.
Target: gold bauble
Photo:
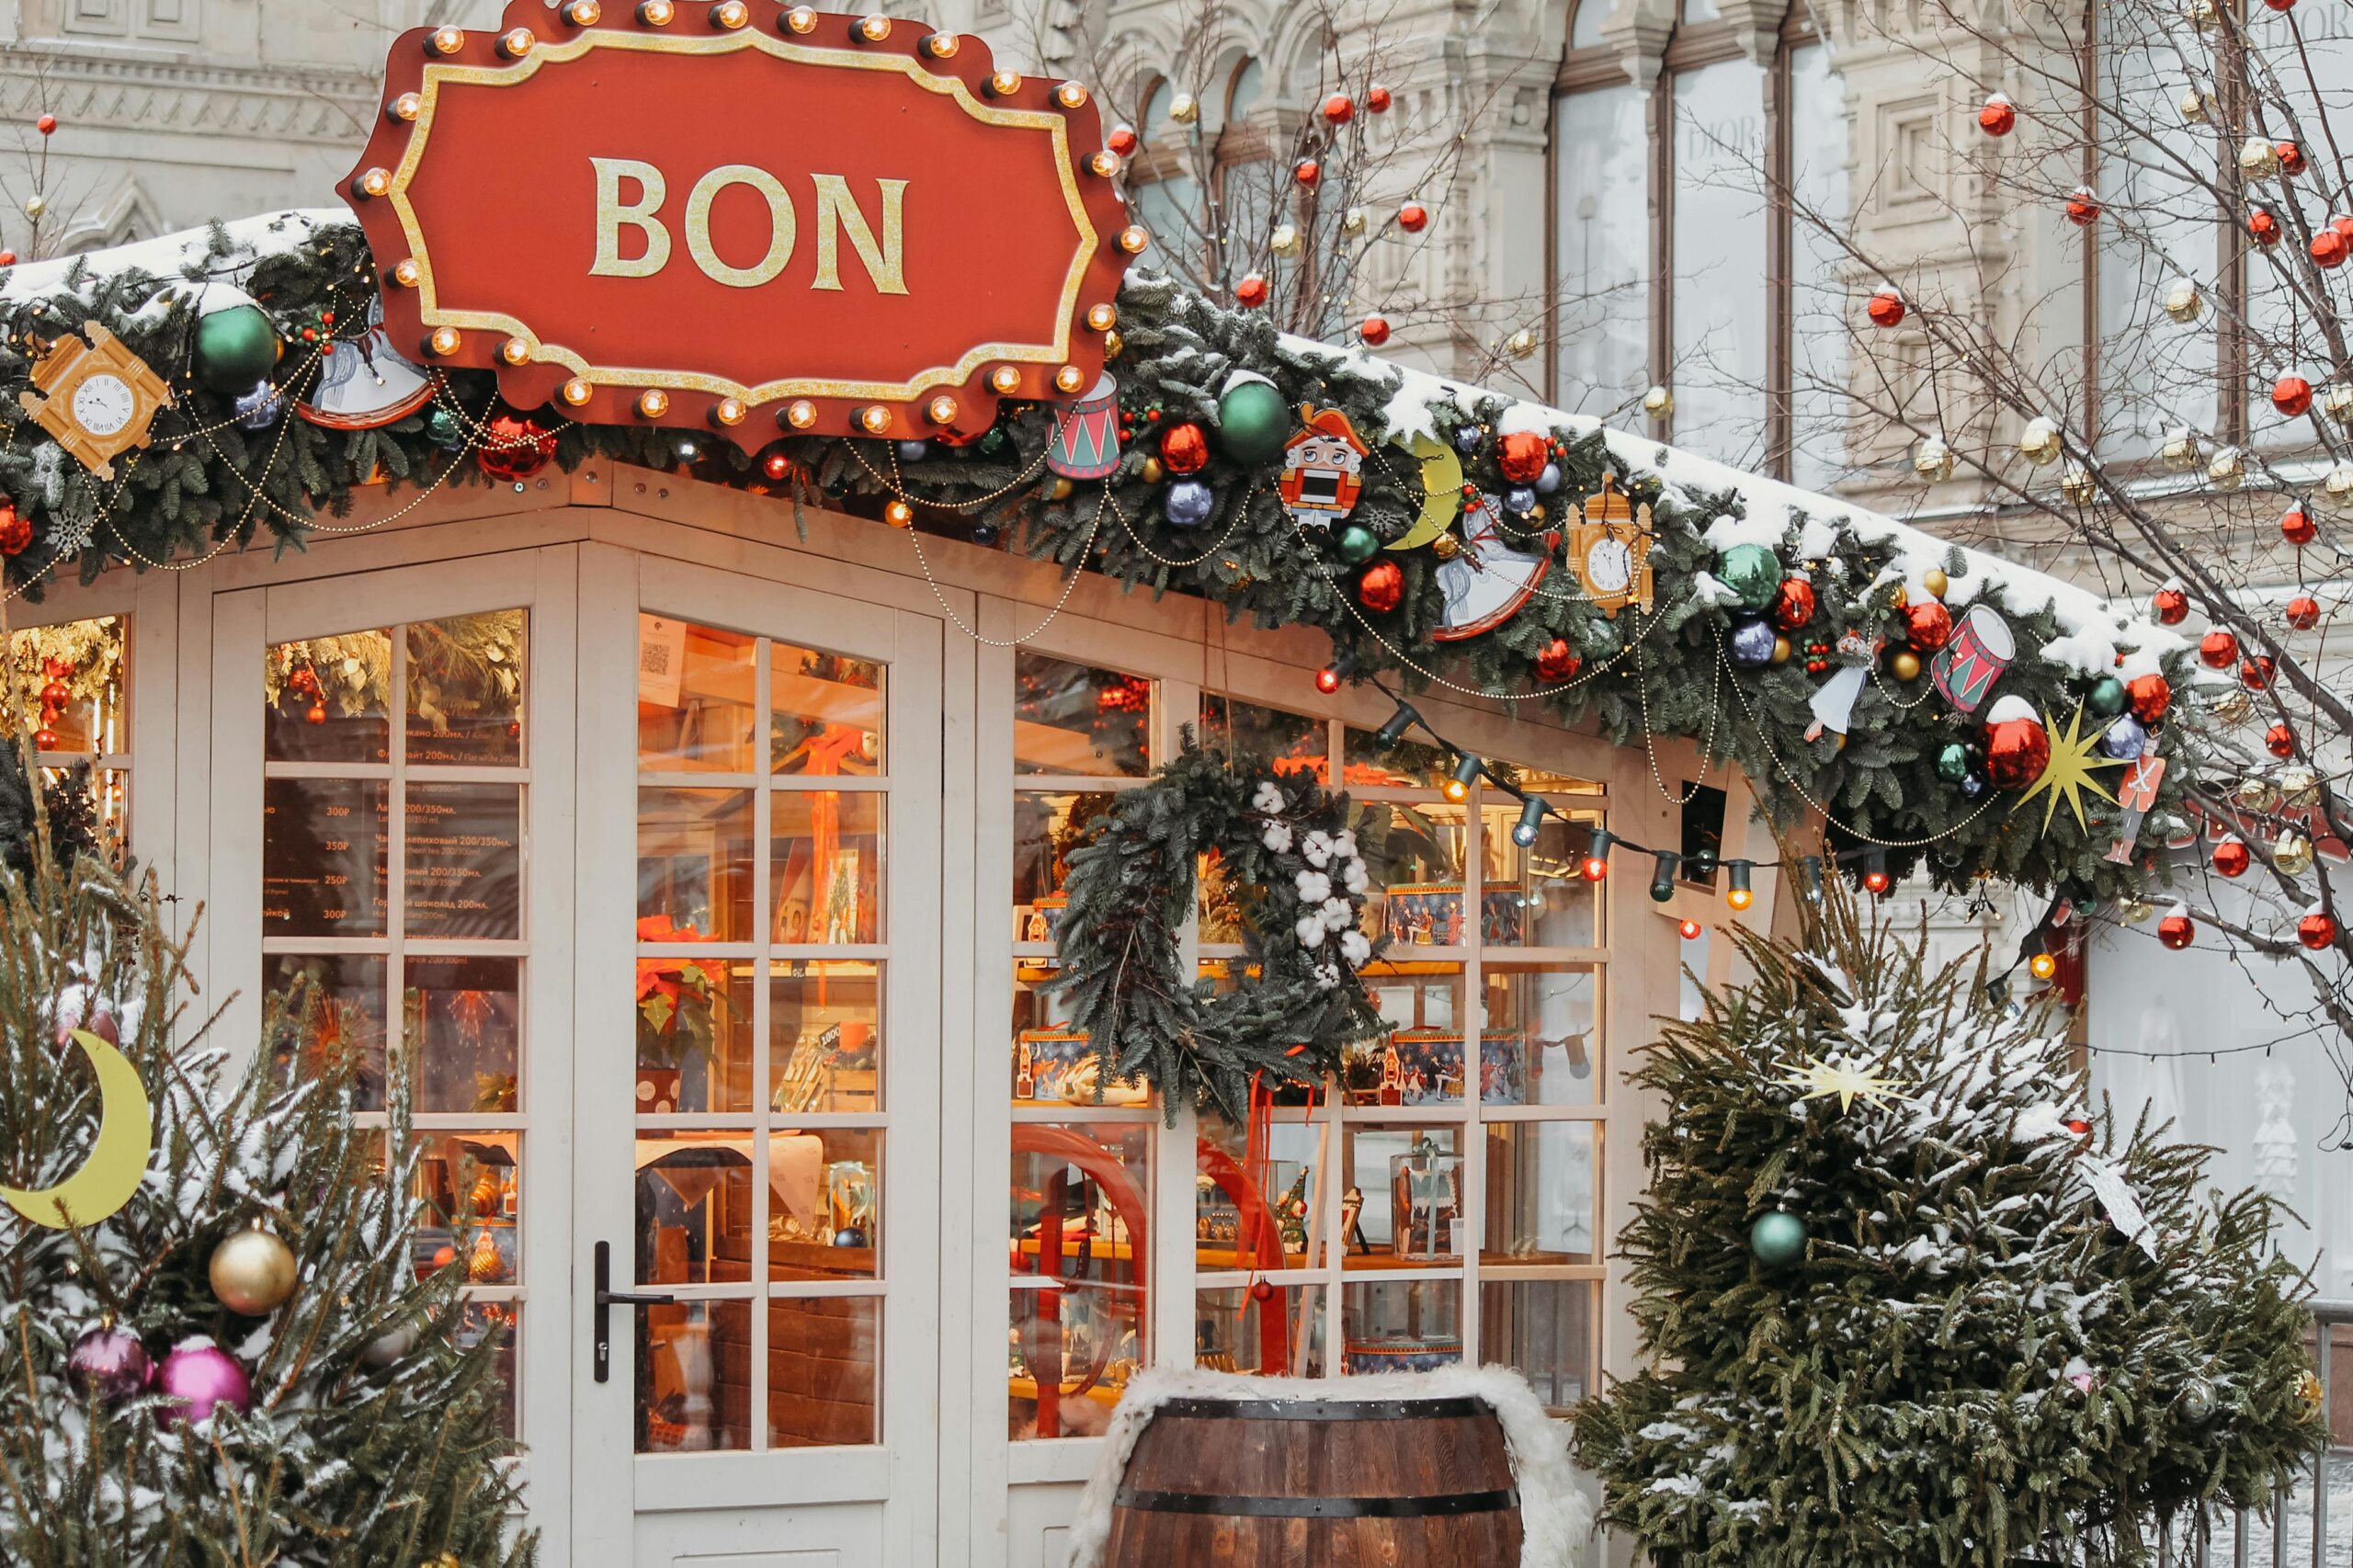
(1658, 402)
(35, 205)
(1285, 240)
(1060, 490)
(1903, 665)
(2291, 852)
(1183, 109)
(2299, 788)
(485, 1266)
(2204, 15)
(2259, 159)
(1933, 580)
(1354, 220)
(1932, 460)
(2256, 793)
(2338, 404)
(2231, 707)
(2039, 442)
(485, 1198)
(1446, 547)
(2309, 1392)
(2184, 302)
(2197, 105)
(2076, 483)
(1781, 650)
(1150, 472)
(253, 1273)
(2181, 451)
(2339, 484)
(2135, 911)
(1520, 344)
(2228, 471)
(1112, 344)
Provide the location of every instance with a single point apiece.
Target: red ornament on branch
(2083, 207)
(1339, 109)
(2303, 612)
(1793, 604)
(2254, 674)
(1885, 308)
(1927, 624)
(2176, 932)
(1122, 140)
(1307, 171)
(2231, 856)
(2150, 695)
(1556, 661)
(2296, 525)
(1376, 98)
(2291, 158)
(513, 446)
(2330, 247)
(2218, 650)
(2291, 394)
(1184, 448)
(1383, 586)
(2017, 745)
(2264, 226)
(1413, 217)
(1999, 116)
(2280, 740)
(46, 125)
(1251, 292)
(1374, 332)
(2172, 605)
(16, 529)
(2317, 930)
(1522, 455)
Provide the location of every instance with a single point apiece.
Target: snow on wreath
(1290, 868)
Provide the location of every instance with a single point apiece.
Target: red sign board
(741, 217)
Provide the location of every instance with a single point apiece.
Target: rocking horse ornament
(364, 382)
(1487, 581)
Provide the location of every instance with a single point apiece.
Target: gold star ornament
(1822, 1080)
(2069, 771)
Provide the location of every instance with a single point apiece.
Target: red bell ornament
(1793, 604)
(2231, 856)
(1556, 661)
(1999, 116)
(513, 446)
(2175, 931)
(2291, 394)
(2280, 740)
(1383, 586)
(2317, 930)
(1885, 308)
(1522, 455)
(2218, 650)
(1927, 624)
(2303, 612)
(2172, 605)
(2296, 525)
(1184, 448)
(2150, 695)
(2017, 745)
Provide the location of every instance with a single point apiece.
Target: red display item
(2256, 674)
(2083, 207)
(2017, 750)
(1413, 217)
(2330, 247)
(1184, 448)
(1999, 116)
(2264, 226)
(2172, 605)
(2231, 856)
(1376, 98)
(1374, 332)
(1251, 292)
(2303, 612)
(1339, 109)
(1556, 661)
(1793, 604)
(2218, 650)
(1885, 308)
(2291, 158)
(513, 446)
(1383, 586)
(2176, 931)
(16, 530)
(1927, 624)
(1690, 930)
(2317, 930)
(2291, 396)
(1522, 455)
(2280, 740)
(823, 260)
(2296, 525)
(2150, 695)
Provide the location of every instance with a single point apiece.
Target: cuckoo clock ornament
(1322, 468)
(1610, 549)
(97, 398)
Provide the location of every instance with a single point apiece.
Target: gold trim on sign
(432, 315)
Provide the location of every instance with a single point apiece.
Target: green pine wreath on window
(1300, 885)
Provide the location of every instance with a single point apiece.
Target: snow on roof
(173, 256)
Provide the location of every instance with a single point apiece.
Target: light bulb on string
(1596, 855)
(1531, 821)
(1690, 930)
(1456, 787)
(1740, 895)
(1810, 871)
(1392, 729)
(1875, 878)
(1663, 877)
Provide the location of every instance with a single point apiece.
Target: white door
(390, 839)
(757, 1061)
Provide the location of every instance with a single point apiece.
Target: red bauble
(2083, 208)
(2296, 525)
(1413, 217)
(317, 713)
(1793, 604)
(2330, 247)
(7, 258)
(1121, 141)
(2280, 740)
(1184, 448)
(2316, 930)
(16, 529)
(1383, 586)
(1307, 171)
(2017, 751)
(1262, 1290)
(1522, 456)
(2176, 932)
(1998, 116)
(1339, 109)
(2231, 856)
(2264, 226)
(2291, 396)
(46, 125)
(2303, 612)
(1556, 661)
(1374, 332)
(1251, 291)
(2291, 158)
(513, 446)
(2218, 650)
(2172, 605)
(2280, 4)
(1885, 308)
(1376, 98)
(2255, 673)
(2150, 695)
(1928, 624)
(2078, 1126)
(47, 740)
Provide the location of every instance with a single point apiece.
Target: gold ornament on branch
(2197, 105)
(2134, 911)
(2291, 853)
(2259, 159)
(1285, 240)
(1932, 460)
(1183, 109)
(2338, 485)
(1658, 402)
(2258, 794)
(2040, 443)
(2338, 404)
(2184, 302)
(2231, 707)
(2299, 788)
(2227, 471)
(253, 1273)
(2181, 451)
(1354, 220)
(2076, 483)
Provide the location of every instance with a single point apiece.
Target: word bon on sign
(756, 220)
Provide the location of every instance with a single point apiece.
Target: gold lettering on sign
(613, 214)
(838, 214)
(781, 228)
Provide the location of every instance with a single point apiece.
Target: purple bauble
(200, 1377)
(1188, 503)
(110, 1363)
(2124, 738)
(1751, 644)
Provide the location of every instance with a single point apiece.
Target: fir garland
(1292, 1005)
(207, 483)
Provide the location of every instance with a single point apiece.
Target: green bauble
(2107, 697)
(1356, 544)
(1253, 422)
(441, 428)
(1752, 572)
(1953, 762)
(994, 443)
(1777, 1238)
(235, 347)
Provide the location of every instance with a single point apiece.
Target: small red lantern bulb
(2218, 650)
(2317, 930)
(1374, 332)
(1999, 116)
(2303, 612)
(1328, 679)
(2175, 931)
(1886, 308)
(1877, 881)
(2296, 525)
(2291, 394)
(2280, 740)
(1339, 109)
(2231, 856)
(1690, 930)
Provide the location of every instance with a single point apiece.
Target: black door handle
(606, 1298)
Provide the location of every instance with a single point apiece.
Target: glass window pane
(1071, 1352)
(505, 1320)
(1821, 306)
(1720, 299)
(825, 1203)
(335, 1007)
(1420, 1061)
(465, 1015)
(1541, 1195)
(695, 691)
(1414, 851)
(824, 712)
(1070, 718)
(1280, 1337)
(1605, 304)
(1538, 896)
(695, 1044)
(329, 698)
(1081, 1197)
(67, 681)
(826, 854)
(1543, 1329)
(1293, 743)
(694, 865)
(1553, 1012)
(1410, 762)
(825, 1036)
(1400, 1325)
(1258, 1214)
(824, 1368)
(1404, 1201)
(694, 1208)
(693, 1394)
(1046, 828)
(463, 869)
(323, 852)
(465, 689)
(469, 1194)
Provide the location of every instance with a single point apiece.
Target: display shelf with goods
(69, 686)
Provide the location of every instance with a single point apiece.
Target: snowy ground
(2296, 1547)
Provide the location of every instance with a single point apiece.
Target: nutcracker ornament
(1322, 468)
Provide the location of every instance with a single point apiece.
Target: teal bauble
(1356, 544)
(441, 428)
(2107, 697)
(1253, 422)
(235, 347)
(1778, 1238)
(1752, 572)
(1953, 762)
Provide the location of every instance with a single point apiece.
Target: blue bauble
(1750, 644)
(1189, 504)
(1777, 1238)
(913, 452)
(849, 1237)
(1971, 786)
(2123, 738)
(1467, 438)
(983, 534)
(1549, 479)
(1521, 499)
(259, 409)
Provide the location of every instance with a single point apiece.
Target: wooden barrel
(1317, 1483)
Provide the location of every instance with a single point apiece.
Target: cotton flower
(1318, 848)
(1269, 796)
(1356, 878)
(1339, 914)
(1276, 835)
(1344, 844)
(1315, 887)
(1355, 947)
(1311, 931)
(1327, 977)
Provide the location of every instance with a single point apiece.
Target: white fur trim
(1556, 1519)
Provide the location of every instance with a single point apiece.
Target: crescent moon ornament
(1442, 493)
(118, 1157)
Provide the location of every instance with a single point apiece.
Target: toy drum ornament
(1967, 667)
(1086, 434)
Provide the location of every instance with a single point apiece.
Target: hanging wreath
(1299, 884)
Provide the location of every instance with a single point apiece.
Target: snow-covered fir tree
(1907, 1296)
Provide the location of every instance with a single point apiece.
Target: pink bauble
(99, 1022)
(199, 1377)
(110, 1363)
